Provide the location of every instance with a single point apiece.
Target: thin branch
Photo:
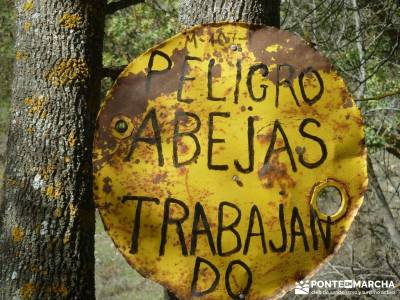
(169, 296)
(379, 97)
(388, 216)
(112, 72)
(392, 267)
(157, 6)
(361, 49)
(392, 109)
(394, 150)
(118, 5)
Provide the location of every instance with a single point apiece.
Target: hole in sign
(329, 200)
(121, 127)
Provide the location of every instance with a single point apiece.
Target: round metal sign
(212, 153)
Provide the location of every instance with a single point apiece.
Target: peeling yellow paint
(30, 129)
(20, 55)
(70, 21)
(28, 5)
(68, 72)
(27, 290)
(273, 48)
(17, 234)
(27, 26)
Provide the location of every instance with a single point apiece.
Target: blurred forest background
(361, 37)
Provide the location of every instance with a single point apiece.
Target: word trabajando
(311, 235)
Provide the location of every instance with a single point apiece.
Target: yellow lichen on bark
(58, 213)
(59, 290)
(68, 72)
(48, 170)
(27, 26)
(28, 101)
(10, 182)
(36, 106)
(72, 139)
(20, 55)
(67, 238)
(72, 210)
(28, 5)
(70, 21)
(35, 269)
(27, 290)
(17, 234)
(54, 190)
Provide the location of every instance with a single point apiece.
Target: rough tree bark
(267, 12)
(47, 214)
(193, 12)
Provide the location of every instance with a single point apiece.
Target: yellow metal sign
(210, 154)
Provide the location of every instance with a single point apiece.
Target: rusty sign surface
(210, 153)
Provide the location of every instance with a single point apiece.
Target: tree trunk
(266, 12)
(47, 214)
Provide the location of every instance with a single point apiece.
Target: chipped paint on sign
(210, 152)
(273, 48)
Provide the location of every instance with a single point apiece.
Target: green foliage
(361, 39)
(7, 20)
(131, 31)
(373, 140)
(382, 117)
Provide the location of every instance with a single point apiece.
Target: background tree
(194, 12)
(47, 214)
(7, 17)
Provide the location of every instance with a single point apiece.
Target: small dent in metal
(236, 48)
(237, 180)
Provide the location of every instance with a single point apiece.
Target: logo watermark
(302, 288)
(345, 287)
